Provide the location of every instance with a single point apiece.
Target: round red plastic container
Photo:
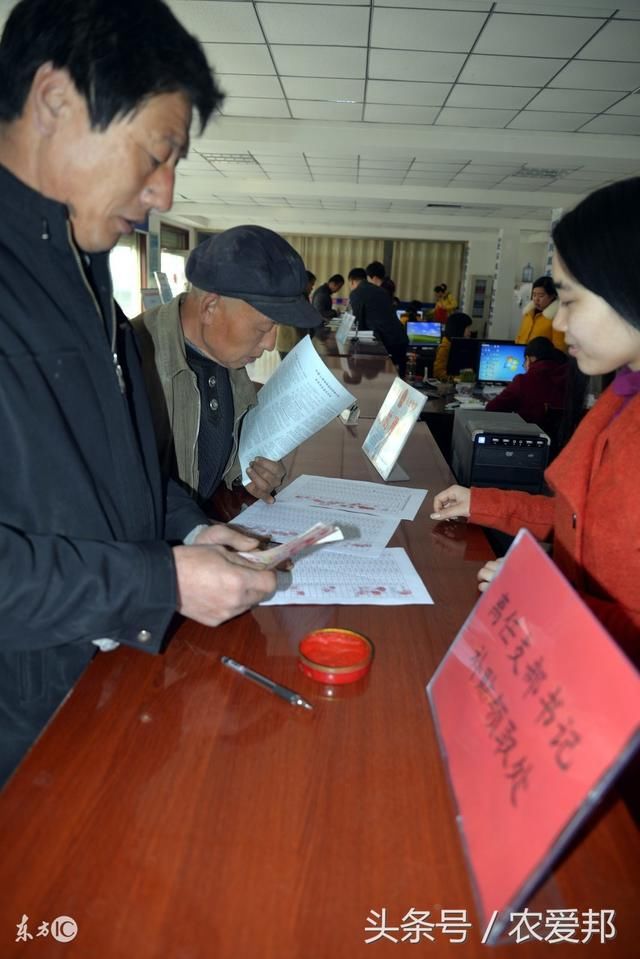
(335, 656)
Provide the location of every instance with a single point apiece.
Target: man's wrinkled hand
(266, 476)
(215, 584)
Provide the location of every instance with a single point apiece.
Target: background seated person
(541, 388)
(539, 314)
(592, 518)
(244, 282)
(321, 298)
(458, 324)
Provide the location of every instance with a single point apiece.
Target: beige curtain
(326, 255)
(419, 265)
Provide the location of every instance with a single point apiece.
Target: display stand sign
(150, 298)
(391, 428)
(343, 331)
(164, 288)
(537, 709)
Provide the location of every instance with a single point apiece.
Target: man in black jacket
(373, 310)
(321, 298)
(95, 106)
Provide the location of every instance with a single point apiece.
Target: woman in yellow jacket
(539, 313)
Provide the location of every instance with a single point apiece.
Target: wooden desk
(368, 378)
(175, 810)
(326, 341)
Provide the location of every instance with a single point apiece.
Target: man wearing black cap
(244, 282)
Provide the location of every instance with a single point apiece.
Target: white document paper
(328, 578)
(356, 496)
(299, 399)
(283, 523)
(392, 426)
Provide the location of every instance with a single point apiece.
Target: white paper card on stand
(392, 426)
(344, 329)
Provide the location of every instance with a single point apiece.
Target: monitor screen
(422, 333)
(500, 362)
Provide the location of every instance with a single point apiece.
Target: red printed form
(536, 709)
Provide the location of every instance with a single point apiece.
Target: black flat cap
(258, 266)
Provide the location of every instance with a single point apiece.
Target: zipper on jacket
(114, 352)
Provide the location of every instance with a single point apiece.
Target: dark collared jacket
(82, 506)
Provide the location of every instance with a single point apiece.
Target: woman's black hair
(541, 348)
(456, 324)
(599, 243)
(546, 283)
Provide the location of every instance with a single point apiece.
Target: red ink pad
(335, 656)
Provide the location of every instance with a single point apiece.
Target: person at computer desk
(537, 319)
(541, 388)
(593, 518)
(458, 324)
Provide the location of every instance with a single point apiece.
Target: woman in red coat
(593, 518)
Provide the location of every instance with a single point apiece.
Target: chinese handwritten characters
(556, 725)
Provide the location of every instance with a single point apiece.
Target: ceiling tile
(455, 117)
(325, 110)
(524, 183)
(573, 101)
(314, 23)
(522, 35)
(378, 113)
(347, 62)
(510, 71)
(630, 106)
(425, 29)
(288, 177)
(613, 124)
(478, 95)
(593, 75)
(247, 107)
(239, 86)
(249, 58)
(408, 65)
(412, 94)
(320, 88)
(223, 21)
(616, 41)
(476, 6)
(366, 163)
(541, 120)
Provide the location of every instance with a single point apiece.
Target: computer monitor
(500, 362)
(424, 333)
(463, 355)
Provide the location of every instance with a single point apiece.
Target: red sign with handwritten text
(536, 709)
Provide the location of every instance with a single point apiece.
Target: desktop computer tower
(498, 449)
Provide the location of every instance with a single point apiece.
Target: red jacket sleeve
(509, 511)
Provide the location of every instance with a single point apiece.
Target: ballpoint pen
(266, 683)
